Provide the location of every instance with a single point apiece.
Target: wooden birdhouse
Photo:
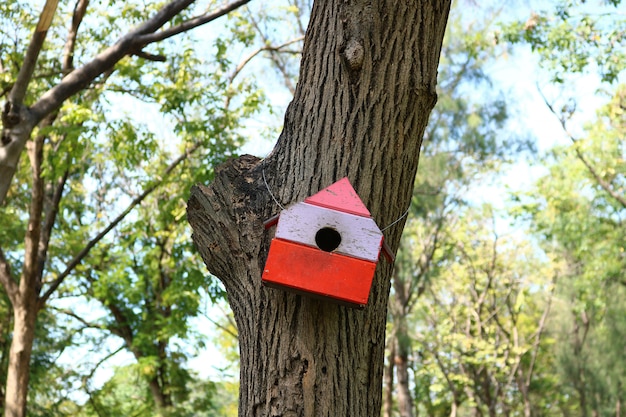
(327, 246)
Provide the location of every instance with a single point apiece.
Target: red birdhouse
(327, 246)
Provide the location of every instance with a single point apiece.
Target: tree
(577, 209)
(366, 88)
(577, 212)
(50, 221)
(463, 144)
(480, 326)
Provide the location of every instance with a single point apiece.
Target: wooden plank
(340, 196)
(360, 236)
(323, 274)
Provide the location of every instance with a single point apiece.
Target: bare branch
(249, 58)
(68, 51)
(18, 91)
(605, 185)
(78, 318)
(150, 57)
(191, 23)
(104, 359)
(222, 327)
(540, 329)
(93, 242)
(275, 58)
(246, 60)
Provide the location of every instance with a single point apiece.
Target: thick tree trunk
(25, 295)
(19, 360)
(367, 85)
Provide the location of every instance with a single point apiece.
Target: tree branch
(131, 43)
(16, 115)
(540, 329)
(83, 76)
(191, 23)
(150, 57)
(6, 279)
(51, 212)
(30, 276)
(249, 58)
(222, 327)
(605, 185)
(274, 57)
(93, 242)
(68, 51)
(101, 361)
(78, 318)
(18, 92)
(246, 60)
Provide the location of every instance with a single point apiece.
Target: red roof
(340, 196)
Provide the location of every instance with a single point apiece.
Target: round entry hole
(327, 239)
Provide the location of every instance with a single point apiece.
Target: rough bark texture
(366, 89)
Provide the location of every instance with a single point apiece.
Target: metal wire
(270, 191)
(283, 208)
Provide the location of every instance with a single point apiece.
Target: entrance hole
(327, 239)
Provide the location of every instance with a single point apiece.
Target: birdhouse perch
(327, 246)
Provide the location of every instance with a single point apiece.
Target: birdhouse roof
(340, 196)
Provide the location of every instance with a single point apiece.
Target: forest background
(508, 289)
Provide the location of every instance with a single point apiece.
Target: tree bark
(24, 317)
(366, 89)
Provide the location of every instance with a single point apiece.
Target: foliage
(464, 146)
(574, 211)
(572, 36)
(478, 326)
(117, 162)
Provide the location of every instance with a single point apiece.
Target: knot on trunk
(353, 53)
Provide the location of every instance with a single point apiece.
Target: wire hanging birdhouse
(327, 246)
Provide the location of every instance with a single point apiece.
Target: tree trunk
(399, 309)
(367, 85)
(25, 295)
(24, 317)
(453, 409)
(161, 399)
(405, 401)
(388, 380)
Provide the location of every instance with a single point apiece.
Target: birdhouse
(327, 246)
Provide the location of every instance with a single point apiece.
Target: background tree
(90, 165)
(581, 223)
(360, 109)
(577, 209)
(461, 137)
